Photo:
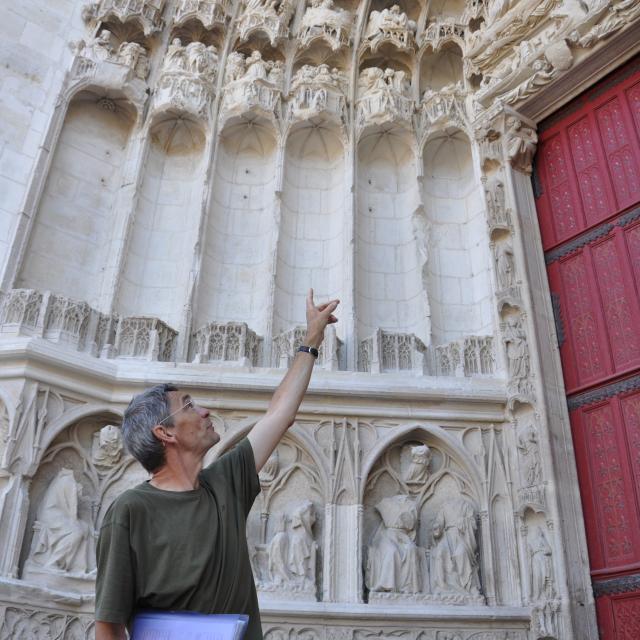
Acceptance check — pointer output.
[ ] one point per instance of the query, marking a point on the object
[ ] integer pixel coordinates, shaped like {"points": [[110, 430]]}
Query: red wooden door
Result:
{"points": [[587, 185]]}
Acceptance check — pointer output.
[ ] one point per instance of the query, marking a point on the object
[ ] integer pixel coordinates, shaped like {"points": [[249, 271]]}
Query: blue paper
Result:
{"points": [[187, 625]]}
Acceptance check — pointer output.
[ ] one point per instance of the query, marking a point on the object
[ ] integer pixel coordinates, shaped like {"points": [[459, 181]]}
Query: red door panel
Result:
{"points": [[587, 186]]}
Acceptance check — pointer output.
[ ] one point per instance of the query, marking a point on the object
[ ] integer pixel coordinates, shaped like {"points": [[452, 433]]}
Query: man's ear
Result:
{"points": [[160, 432]]}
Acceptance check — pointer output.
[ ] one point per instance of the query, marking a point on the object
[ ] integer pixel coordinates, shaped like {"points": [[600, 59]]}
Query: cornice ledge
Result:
{"points": [[405, 614], [52, 363]]}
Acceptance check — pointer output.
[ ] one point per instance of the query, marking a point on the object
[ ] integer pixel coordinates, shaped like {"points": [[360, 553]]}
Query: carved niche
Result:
{"points": [[285, 526], [270, 16], [147, 12], [421, 525], [80, 474], [383, 96], [115, 62], [541, 591], [251, 83], [323, 20], [208, 12], [390, 25], [187, 77], [318, 89]]}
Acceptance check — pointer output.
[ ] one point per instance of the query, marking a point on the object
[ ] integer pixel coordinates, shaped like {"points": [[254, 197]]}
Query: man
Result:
{"points": [[177, 541]]}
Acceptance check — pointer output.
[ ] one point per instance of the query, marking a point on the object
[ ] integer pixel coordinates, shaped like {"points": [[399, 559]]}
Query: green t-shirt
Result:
{"points": [[182, 550]]}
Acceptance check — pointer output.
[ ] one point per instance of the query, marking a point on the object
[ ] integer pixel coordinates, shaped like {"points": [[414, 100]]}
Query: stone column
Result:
{"points": [[534, 361]]}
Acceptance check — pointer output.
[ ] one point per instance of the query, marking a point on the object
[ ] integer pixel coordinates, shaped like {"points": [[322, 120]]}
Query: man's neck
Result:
{"points": [[179, 473]]}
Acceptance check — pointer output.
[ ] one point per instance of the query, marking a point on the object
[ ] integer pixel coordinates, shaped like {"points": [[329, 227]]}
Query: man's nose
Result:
{"points": [[203, 412]]}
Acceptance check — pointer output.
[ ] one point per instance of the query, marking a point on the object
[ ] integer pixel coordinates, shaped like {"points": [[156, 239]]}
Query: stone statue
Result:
{"points": [[522, 141], [302, 547], [276, 74], [505, 267], [176, 57], [418, 470], [256, 67], [454, 563], [390, 24], [541, 566], [134, 56], [102, 45], [61, 539], [106, 448], [278, 553], [201, 60], [530, 451], [515, 340], [395, 563], [235, 67]]}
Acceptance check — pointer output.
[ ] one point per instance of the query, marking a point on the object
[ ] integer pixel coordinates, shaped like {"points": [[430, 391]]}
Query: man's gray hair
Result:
{"points": [[144, 412]]}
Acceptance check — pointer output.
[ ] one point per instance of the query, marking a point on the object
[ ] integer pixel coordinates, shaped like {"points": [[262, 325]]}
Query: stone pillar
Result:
{"points": [[507, 146]]}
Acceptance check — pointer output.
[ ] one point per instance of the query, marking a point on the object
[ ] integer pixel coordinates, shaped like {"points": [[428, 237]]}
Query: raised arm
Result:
{"points": [[268, 431]]}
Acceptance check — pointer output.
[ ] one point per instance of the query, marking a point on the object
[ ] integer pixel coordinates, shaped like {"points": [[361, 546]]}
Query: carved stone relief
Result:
{"points": [[251, 82], [390, 25], [318, 89], [79, 475], [208, 12], [270, 16], [229, 342], [187, 77], [285, 527], [18, 623], [323, 20], [518, 359], [132, 56], [147, 12], [422, 544], [383, 96]]}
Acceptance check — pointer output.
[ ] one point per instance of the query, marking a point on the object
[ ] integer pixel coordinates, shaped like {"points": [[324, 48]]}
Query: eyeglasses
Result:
{"points": [[188, 404]]}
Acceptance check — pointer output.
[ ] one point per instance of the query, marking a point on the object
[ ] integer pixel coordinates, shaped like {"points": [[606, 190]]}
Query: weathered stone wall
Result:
{"points": [[175, 175]]}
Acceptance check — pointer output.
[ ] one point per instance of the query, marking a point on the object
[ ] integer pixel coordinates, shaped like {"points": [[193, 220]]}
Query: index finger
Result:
{"points": [[310, 304]]}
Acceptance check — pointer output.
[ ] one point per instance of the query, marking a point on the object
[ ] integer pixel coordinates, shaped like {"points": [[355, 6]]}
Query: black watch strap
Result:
{"points": [[312, 350]]}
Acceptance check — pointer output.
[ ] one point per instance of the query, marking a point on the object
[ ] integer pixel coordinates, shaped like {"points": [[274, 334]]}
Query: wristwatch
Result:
{"points": [[312, 350]]}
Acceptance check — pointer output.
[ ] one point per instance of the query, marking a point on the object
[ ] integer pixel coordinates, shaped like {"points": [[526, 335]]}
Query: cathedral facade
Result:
{"points": [[176, 174]]}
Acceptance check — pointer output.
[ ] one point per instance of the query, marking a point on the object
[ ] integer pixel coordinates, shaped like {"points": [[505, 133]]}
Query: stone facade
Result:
{"points": [[175, 175]]}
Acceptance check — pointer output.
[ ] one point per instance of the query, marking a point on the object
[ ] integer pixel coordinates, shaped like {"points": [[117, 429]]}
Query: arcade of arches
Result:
{"points": [[464, 175]]}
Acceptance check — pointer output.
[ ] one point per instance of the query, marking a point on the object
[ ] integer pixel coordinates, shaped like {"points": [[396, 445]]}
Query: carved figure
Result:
{"points": [[102, 45], [454, 563], [390, 24], [321, 19], [395, 563], [302, 547], [541, 566], [256, 67], [176, 57], [201, 59], [134, 56], [235, 66], [276, 74], [530, 451], [521, 145], [106, 448], [278, 553], [61, 539], [505, 267], [515, 340], [418, 470]]}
